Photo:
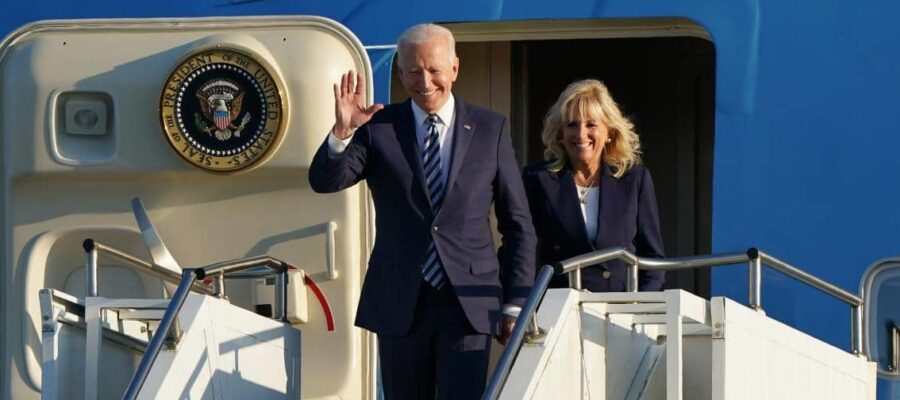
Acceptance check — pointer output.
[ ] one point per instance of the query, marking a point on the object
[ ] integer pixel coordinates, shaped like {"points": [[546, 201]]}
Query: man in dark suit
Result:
{"points": [[434, 289]]}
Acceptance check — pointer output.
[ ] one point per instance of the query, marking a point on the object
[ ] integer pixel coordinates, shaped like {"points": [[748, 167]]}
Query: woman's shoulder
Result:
{"points": [[536, 172], [638, 175], [636, 171]]}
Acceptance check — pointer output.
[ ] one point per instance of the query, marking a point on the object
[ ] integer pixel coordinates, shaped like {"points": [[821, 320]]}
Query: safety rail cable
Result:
{"points": [[572, 266], [188, 277]]}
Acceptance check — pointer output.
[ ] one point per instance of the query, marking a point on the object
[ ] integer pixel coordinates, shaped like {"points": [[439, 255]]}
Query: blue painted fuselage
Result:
{"points": [[805, 149]]}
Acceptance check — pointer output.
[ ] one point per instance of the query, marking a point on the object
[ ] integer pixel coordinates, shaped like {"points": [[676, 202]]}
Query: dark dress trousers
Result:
{"points": [[627, 218]]}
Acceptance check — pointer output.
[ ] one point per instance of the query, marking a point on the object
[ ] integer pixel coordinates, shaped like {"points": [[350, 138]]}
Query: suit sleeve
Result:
{"points": [[648, 242], [514, 223], [535, 197], [332, 172]]}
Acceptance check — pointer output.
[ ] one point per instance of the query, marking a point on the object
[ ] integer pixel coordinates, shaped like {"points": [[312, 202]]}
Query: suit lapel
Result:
{"points": [[463, 129], [610, 209], [560, 189], [405, 126]]}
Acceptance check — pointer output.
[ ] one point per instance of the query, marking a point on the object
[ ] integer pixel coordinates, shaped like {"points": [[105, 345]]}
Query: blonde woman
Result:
{"points": [[592, 192]]}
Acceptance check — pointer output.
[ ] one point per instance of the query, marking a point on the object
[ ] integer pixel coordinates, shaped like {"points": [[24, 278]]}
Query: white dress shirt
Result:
{"points": [[589, 210]]}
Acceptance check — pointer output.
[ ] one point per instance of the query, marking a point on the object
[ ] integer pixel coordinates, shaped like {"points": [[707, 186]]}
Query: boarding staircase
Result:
{"points": [[576, 344], [194, 344], [673, 345]]}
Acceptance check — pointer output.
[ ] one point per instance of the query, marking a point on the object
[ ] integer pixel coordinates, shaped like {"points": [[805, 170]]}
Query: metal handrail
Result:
{"points": [[188, 278], [156, 341], [94, 249], [572, 266], [755, 259], [504, 365], [74, 316]]}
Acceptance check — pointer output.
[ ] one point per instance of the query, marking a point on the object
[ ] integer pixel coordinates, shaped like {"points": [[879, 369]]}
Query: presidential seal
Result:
{"points": [[223, 110]]}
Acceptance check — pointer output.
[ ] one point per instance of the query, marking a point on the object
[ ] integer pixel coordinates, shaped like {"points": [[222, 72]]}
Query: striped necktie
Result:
{"points": [[432, 270]]}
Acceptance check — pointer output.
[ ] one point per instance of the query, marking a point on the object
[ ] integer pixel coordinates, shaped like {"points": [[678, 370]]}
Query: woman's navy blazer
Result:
{"points": [[628, 218]]}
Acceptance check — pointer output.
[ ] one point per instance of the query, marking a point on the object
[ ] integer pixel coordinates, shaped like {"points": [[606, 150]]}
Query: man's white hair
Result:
{"points": [[422, 33]]}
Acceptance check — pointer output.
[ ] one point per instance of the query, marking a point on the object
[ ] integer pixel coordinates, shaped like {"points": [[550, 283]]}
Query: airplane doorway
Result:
{"points": [[665, 84]]}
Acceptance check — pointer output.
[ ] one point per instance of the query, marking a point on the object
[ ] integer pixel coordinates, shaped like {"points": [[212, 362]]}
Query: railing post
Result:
{"points": [[754, 278], [575, 279], [856, 328], [90, 267], [219, 286], [534, 330], [631, 284], [162, 332]]}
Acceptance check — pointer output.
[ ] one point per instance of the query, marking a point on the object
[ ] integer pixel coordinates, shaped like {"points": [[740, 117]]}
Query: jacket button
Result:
{"points": [[434, 228], [606, 274], [555, 247]]}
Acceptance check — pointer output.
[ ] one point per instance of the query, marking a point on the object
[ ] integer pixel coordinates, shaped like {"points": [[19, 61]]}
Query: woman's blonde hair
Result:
{"points": [[590, 100]]}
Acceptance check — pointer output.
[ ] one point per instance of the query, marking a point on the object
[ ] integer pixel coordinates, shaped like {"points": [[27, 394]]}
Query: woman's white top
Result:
{"points": [[589, 209]]}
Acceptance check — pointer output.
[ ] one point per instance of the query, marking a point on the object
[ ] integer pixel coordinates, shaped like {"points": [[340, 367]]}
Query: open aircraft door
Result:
{"points": [[213, 123]]}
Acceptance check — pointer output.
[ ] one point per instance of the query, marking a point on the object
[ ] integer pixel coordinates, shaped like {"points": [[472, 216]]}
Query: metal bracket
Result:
{"points": [[717, 318], [534, 339], [49, 312]]}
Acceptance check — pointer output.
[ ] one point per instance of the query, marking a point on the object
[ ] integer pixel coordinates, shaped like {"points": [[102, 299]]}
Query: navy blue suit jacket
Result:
{"points": [[628, 218], [483, 171]]}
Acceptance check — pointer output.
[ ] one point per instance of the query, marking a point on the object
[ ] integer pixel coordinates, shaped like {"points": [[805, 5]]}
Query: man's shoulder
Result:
{"points": [[476, 111], [390, 113]]}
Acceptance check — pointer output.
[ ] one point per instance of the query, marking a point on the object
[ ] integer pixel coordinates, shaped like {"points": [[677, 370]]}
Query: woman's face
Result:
{"points": [[584, 141]]}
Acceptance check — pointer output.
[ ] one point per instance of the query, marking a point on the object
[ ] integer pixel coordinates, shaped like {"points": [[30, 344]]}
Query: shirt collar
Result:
{"points": [[445, 113]]}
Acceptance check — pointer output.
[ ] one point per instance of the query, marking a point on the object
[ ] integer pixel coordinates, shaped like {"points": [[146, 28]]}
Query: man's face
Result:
{"points": [[428, 72]]}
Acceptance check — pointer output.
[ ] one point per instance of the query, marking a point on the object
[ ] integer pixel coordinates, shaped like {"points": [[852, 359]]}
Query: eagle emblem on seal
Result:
{"points": [[223, 110], [220, 103]]}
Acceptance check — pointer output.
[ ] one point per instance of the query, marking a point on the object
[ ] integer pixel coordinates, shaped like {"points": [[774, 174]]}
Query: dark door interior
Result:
{"points": [[666, 86]]}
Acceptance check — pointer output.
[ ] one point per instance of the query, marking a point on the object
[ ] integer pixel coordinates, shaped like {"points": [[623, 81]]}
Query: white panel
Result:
{"points": [[740, 354], [625, 349], [697, 367], [227, 353], [531, 374], [760, 358]]}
